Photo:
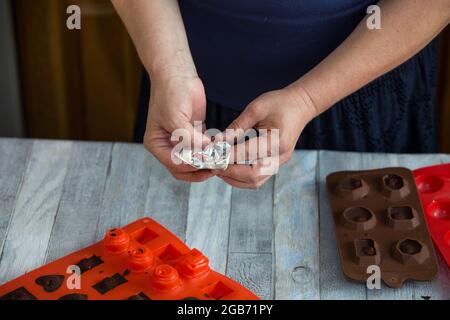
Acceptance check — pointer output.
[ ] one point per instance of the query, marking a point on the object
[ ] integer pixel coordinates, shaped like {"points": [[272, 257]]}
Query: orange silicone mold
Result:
{"points": [[433, 184], [142, 261]]}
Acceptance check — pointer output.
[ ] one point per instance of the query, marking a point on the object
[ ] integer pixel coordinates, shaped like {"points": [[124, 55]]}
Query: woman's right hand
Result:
{"points": [[176, 101]]}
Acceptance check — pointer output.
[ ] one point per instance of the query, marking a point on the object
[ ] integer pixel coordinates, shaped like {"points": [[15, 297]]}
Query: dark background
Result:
{"points": [[84, 84]]}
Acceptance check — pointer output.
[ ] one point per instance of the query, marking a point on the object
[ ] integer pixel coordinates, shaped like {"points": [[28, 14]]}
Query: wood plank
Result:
{"points": [[36, 207], [75, 225], [126, 187], [13, 162], [440, 287], [253, 271], [296, 222], [251, 225], [209, 220], [167, 199], [333, 284]]}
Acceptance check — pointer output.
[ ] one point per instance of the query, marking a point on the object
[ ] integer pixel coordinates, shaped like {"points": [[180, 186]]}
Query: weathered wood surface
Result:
{"points": [[59, 196]]}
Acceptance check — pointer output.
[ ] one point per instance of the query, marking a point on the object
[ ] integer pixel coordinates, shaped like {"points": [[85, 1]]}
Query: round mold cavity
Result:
{"points": [[358, 214], [358, 218], [429, 184], [410, 247], [439, 210], [447, 238]]}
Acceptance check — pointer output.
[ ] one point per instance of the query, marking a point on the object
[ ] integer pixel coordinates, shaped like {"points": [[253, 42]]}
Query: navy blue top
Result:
{"points": [[243, 48]]}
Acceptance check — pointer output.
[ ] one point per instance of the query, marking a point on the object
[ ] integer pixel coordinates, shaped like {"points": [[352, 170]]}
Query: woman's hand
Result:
{"points": [[177, 94], [175, 103], [288, 110]]}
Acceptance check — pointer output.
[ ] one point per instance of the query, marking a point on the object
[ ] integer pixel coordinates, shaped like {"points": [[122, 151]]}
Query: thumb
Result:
{"points": [[192, 135], [247, 120]]}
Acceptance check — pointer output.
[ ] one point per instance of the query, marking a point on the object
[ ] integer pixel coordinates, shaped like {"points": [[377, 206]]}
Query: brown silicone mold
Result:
{"points": [[379, 221]]}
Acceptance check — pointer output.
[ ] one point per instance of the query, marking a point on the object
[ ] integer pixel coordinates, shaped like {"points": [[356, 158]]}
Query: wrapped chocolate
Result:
{"points": [[216, 156]]}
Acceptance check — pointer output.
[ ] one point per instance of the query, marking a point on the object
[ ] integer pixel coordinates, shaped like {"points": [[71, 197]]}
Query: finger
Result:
{"points": [[162, 150], [244, 173], [242, 185], [195, 177], [192, 137], [263, 146], [248, 119]]}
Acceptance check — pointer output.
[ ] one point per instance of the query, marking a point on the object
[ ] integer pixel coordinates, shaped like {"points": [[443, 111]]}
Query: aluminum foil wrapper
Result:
{"points": [[216, 156]]}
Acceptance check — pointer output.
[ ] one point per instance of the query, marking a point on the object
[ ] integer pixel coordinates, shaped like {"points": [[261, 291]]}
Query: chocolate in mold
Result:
{"points": [[139, 296], [384, 225], [89, 263], [50, 283], [74, 296], [18, 294], [109, 283]]}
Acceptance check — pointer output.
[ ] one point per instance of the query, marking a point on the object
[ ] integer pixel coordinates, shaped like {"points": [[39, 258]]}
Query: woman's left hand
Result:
{"points": [[288, 110]]}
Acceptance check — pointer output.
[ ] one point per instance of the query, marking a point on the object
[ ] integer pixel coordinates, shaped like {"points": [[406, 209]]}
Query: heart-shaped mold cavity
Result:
{"points": [[50, 283], [429, 184], [439, 210]]}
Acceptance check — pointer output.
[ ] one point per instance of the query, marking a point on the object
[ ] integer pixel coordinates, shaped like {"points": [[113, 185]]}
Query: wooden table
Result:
{"points": [[59, 196]]}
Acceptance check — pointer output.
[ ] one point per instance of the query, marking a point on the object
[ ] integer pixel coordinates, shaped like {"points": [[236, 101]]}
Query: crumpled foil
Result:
{"points": [[216, 156]]}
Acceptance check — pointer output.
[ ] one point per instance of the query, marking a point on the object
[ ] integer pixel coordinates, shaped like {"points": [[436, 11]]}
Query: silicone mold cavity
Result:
{"points": [[358, 218], [402, 217], [433, 184], [439, 210], [395, 187], [366, 252], [410, 251], [429, 183], [352, 188]]}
